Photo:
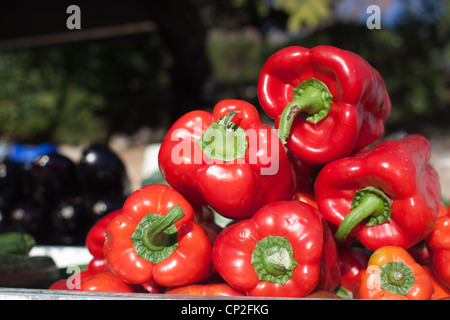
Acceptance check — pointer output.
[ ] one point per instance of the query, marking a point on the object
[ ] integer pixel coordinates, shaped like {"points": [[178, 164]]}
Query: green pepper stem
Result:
{"points": [[311, 97], [277, 263], [396, 277], [224, 140], [369, 204], [154, 236], [273, 259]]}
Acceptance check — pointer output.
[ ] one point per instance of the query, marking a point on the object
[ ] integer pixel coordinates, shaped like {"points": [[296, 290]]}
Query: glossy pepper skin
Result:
{"points": [[322, 295], [72, 282], [226, 159], [387, 195], [441, 291], [285, 249], [304, 180], [95, 240], [392, 274], [327, 102], [351, 261], [98, 264], [438, 245], [107, 282], [155, 238], [213, 289], [95, 237]]}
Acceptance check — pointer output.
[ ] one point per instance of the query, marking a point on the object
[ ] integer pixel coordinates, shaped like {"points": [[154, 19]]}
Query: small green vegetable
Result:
{"points": [[16, 242], [23, 271]]}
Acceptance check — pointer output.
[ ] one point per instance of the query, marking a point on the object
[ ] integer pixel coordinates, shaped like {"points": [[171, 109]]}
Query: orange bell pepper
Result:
{"points": [[393, 274]]}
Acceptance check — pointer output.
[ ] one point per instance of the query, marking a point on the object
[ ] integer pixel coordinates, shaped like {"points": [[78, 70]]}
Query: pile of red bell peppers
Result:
{"points": [[320, 204]]}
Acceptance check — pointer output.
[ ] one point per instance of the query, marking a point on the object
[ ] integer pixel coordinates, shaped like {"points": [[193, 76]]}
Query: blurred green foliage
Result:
{"points": [[82, 92], [299, 13], [77, 93], [415, 69], [236, 58], [413, 56]]}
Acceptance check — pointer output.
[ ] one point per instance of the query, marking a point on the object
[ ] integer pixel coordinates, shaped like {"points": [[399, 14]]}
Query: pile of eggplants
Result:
{"points": [[57, 199]]}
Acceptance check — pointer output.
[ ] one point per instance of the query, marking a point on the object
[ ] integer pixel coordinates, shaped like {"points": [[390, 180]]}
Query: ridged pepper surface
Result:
{"points": [[327, 102], [285, 249], [387, 195], [156, 239], [226, 159]]}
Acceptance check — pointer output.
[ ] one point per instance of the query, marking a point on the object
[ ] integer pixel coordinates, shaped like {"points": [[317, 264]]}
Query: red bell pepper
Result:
{"points": [[304, 174], [213, 289], [95, 240], [108, 282], [392, 274], [441, 291], [228, 160], [327, 102], [304, 182], [322, 295], [60, 284], [356, 283], [420, 253], [285, 249], [205, 217], [438, 245], [95, 237], [442, 209], [155, 238], [307, 197], [351, 261], [153, 287], [98, 264], [387, 195], [72, 282]]}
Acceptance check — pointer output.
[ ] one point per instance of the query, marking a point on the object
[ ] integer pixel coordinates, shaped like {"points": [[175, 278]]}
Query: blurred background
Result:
{"points": [[136, 66], [188, 54]]}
